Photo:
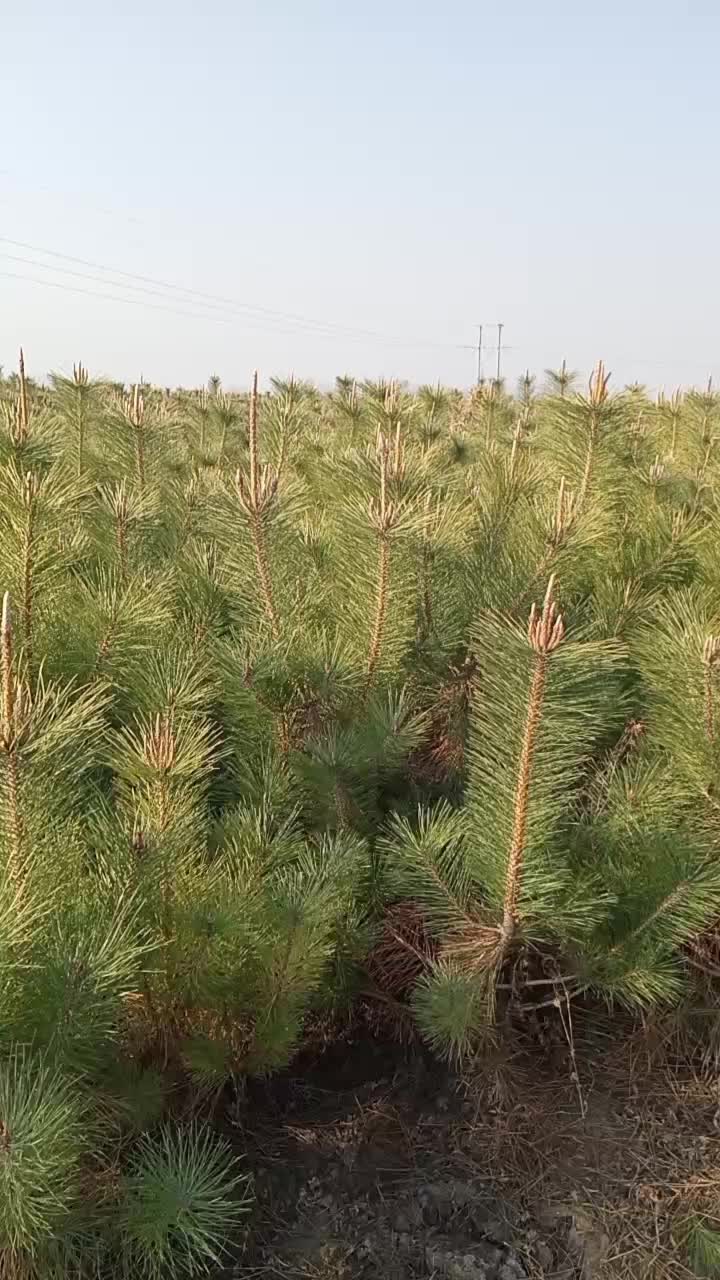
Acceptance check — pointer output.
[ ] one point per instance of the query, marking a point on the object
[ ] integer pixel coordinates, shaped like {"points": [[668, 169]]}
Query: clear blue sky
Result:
{"points": [[407, 167]]}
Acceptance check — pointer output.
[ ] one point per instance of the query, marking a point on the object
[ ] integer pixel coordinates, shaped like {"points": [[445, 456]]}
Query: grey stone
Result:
{"points": [[466, 1267], [455, 1265], [436, 1201], [488, 1221], [461, 1193], [544, 1255], [512, 1270], [491, 1254]]}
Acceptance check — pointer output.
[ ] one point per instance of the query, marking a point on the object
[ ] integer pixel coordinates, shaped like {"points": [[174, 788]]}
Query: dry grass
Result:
{"points": [[614, 1159]]}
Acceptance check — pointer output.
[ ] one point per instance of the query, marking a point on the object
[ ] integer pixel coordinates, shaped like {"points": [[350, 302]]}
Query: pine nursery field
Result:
{"points": [[378, 706]]}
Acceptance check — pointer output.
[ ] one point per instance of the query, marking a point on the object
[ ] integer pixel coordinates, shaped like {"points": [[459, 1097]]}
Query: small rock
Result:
{"points": [[493, 1228], [456, 1266], [512, 1270], [487, 1220], [490, 1253], [544, 1255], [435, 1200], [462, 1194]]}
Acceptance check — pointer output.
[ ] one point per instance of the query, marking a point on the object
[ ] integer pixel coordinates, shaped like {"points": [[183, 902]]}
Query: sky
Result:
{"points": [[325, 186]]}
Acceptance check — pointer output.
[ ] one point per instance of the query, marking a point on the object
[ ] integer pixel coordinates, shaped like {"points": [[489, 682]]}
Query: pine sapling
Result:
{"points": [[23, 398], [257, 495], [434, 401], [561, 380], [17, 416], [162, 766], [598, 396], [160, 751], [670, 412], [81, 381], [637, 433], [74, 397], [43, 1139], [526, 389], [560, 524], [546, 630], [287, 416], [383, 514], [134, 407], [224, 410], [490, 395], [676, 401], [353, 409], [203, 408], [127, 510], [183, 1198]]}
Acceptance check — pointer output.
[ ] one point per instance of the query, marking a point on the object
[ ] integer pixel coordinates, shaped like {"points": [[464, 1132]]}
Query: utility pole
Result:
{"points": [[479, 356], [499, 349]]}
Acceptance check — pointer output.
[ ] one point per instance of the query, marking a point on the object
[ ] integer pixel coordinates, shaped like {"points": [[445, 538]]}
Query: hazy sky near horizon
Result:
{"points": [[355, 186]]}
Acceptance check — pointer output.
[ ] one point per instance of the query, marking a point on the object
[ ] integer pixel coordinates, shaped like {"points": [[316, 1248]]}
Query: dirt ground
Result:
{"points": [[576, 1158]]}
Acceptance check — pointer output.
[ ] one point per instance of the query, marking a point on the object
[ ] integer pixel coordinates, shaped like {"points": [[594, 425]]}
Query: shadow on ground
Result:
{"points": [[372, 1160]]}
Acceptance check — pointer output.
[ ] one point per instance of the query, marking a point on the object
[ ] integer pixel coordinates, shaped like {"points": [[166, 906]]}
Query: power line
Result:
{"points": [[226, 311], [220, 318], [141, 302], [110, 297], [225, 314], [208, 299], [224, 319]]}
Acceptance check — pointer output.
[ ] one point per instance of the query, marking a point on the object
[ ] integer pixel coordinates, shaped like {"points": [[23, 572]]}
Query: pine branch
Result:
{"points": [[30, 490], [257, 495], [134, 410], [24, 410], [711, 660], [81, 380], [383, 515], [545, 633], [10, 727], [597, 398]]}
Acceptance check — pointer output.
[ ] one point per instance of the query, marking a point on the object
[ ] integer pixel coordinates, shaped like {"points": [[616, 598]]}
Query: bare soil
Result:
{"points": [[578, 1159]]}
